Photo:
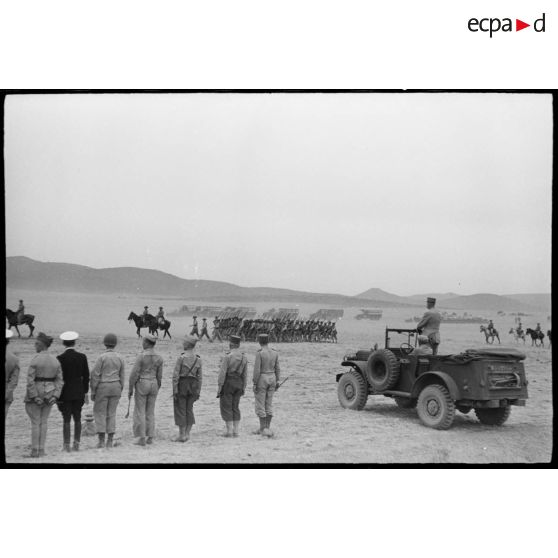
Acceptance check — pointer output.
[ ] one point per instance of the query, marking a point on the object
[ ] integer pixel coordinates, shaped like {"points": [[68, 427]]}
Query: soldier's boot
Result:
{"points": [[267, 431], [236, 425], [66, 446], [101, 442], [186, 432], [41, 452], [229, 432], [262, 426], [110, 440], [34, 453], [76, 446], [140, 441], [149, 440], [180, 436]]}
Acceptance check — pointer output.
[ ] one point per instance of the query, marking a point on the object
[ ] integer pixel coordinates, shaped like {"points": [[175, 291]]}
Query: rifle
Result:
{"points": [[282, 382]]}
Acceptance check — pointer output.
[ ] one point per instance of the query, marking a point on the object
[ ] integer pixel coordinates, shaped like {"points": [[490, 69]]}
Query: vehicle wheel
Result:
{"points": [[405, 402], [463, 409], [352, 391], [382, 370], [493, 417], [435, 407]]}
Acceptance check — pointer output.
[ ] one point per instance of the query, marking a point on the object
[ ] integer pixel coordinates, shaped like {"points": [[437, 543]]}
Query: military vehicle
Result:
{"points": [[489, 381]]}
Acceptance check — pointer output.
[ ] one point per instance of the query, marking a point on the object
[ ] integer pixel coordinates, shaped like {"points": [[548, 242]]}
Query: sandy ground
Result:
{"points": [[309, 424]]}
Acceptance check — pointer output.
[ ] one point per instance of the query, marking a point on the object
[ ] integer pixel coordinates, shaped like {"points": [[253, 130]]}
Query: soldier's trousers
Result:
{"points": [[204, 332], [188, 393], [107, 397], [145, 396], [230, 398], [265, 389], [39, 423], [69, 410]]}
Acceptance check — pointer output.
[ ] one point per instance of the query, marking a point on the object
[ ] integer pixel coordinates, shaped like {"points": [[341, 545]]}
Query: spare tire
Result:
{"points": [[382, 370]]}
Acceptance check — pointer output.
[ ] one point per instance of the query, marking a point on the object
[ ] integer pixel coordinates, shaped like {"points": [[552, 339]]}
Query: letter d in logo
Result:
{"points": [[539, 24]]}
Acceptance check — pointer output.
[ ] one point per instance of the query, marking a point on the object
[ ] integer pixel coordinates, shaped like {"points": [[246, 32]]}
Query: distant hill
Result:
{"points": [[379, 294], [438, 296], [486, 301], [28, 274], [536, 300]]}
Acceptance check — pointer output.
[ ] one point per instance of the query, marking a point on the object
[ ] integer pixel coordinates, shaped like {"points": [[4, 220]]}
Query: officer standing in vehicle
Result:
{"points": [[12, 374], [430, 324], [107, 383], [75, 371], [266, 380], [145, 381], [232, 385]]}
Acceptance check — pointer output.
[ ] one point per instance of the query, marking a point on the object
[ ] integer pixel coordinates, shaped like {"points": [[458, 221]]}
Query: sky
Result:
{"points": [[411, 193]]}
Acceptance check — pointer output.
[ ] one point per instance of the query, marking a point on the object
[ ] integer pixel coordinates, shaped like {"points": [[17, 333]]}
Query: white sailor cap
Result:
{"points": [[9, 333], [69, 336]]}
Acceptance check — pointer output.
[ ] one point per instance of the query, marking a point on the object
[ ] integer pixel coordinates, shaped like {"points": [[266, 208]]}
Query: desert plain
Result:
{"points": [[309, 424]]}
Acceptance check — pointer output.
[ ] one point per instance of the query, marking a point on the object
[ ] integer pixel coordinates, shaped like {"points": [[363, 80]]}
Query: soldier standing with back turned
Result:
{"points": [[430, 324], [266, 380], [232, 385]]}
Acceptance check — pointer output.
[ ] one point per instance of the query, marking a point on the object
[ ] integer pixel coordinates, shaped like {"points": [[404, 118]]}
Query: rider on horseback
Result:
{"points": [[20, 313], [145, 314], [490, 327], [161, 316]]}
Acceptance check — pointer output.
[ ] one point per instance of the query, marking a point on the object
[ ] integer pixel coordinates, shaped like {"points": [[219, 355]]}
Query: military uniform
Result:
{"points": [[186, 387], [20, 312], [204, 330], [12, 377], [265, 379], [161, 317], [44, 385], [107, 383], [195, 328], [145, 381], [75, 372], [231, 386], [430, 326]]}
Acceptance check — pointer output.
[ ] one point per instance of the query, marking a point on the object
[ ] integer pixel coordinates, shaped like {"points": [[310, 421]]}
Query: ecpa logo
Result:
{"points": [[493, 25]]}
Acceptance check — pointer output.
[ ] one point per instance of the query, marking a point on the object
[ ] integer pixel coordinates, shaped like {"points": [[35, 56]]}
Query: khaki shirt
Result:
{"points": [[233, 363], [267, 362], [148, 366], [430, 324], [108, 368], [422, 350], [187, 365], [12, 375], [44, 365]]}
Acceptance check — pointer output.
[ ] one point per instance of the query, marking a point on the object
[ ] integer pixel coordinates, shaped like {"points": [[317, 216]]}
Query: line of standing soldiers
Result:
{"points": [[65, 381], [278, 330]]}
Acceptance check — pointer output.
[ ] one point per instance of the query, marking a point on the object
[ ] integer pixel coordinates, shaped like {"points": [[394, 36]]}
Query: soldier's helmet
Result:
{"points": [[110, 340]]}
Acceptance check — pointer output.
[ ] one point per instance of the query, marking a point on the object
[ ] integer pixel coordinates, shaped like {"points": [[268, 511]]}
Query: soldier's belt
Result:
{"points": [[268, 372], [152, 379], [43, 379]]}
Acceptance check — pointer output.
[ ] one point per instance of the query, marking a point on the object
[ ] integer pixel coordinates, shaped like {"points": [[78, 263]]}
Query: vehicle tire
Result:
{"points": [[435, 407], [405, 402], [382, 370], [493, 417], [463, 409], [352, 391]]}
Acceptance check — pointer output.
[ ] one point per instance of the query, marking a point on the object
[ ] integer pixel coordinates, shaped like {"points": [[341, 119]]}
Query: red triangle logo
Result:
{"points": [[519, 25]]}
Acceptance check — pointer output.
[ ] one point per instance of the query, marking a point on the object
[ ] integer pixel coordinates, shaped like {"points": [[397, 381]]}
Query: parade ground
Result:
{"points": [[309, 424]]}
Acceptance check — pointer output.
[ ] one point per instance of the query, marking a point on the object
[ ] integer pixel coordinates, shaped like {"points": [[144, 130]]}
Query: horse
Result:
{"points": [[151, 324], [27, 320], [517, 335], [490, 336], [536, 336]]}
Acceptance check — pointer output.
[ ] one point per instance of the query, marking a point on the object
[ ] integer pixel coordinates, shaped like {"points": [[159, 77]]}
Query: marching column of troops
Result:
{"points": [[278, 330], [65, 381]]}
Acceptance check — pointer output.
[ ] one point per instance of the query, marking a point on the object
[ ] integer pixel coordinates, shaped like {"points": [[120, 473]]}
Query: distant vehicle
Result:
{"points": [[366, 314], [489, 381]]}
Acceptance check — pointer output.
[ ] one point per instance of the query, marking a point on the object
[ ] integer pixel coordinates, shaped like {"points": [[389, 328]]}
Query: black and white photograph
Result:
{"points": [[278, 277]]}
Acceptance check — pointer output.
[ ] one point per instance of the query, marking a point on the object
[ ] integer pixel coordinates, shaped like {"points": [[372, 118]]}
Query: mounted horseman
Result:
{"points": [[19, 317]]}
